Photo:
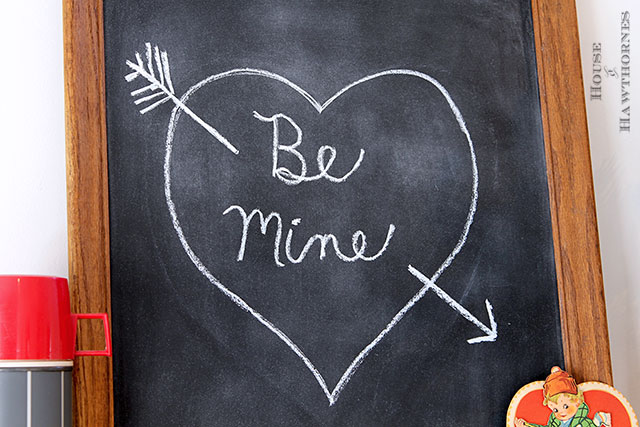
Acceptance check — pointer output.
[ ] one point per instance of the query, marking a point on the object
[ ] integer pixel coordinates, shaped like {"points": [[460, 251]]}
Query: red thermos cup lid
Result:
{"points": [[36, 322]]}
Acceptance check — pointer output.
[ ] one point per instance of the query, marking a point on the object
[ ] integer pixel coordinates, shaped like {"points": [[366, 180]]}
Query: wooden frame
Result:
{"points": [[577, 251]]}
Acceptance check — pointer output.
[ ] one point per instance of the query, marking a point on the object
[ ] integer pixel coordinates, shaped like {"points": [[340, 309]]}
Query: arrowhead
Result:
{"points": [[492, 334]]}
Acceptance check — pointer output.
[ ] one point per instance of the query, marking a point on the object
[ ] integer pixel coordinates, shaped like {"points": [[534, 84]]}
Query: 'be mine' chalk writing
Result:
{"points": [[358, 240]]}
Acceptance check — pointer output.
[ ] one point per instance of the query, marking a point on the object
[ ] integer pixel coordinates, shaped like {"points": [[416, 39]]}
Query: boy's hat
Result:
{"points": [[559, 382]]}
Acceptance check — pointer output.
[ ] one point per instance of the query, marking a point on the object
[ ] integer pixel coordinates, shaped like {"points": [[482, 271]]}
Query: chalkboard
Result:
{"points": [[326, 213]]}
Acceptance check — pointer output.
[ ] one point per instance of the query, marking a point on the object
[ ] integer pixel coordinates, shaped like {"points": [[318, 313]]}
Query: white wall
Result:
{"points": [[615, 157], [33, 216], [33, 235]]}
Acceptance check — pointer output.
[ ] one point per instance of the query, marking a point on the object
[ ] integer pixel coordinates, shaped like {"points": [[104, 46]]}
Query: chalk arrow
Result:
{"points": [[491, 333], [156, 72]]}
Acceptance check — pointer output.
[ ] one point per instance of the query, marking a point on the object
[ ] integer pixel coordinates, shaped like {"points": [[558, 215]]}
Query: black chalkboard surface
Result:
{"points": [[329, 213]]}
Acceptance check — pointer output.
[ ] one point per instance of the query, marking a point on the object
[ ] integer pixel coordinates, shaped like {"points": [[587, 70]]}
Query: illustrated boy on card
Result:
{"points": [[566, 401]]}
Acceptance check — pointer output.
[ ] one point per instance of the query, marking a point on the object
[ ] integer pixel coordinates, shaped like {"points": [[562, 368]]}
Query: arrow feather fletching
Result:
{"points": [[158, 61], [156, 71]]}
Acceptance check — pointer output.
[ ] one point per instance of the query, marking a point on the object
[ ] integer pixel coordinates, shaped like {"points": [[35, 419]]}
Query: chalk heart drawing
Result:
{"points": [[154, 70]]}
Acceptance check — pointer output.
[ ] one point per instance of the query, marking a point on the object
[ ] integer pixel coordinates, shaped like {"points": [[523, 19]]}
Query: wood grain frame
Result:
{"points": [[577, 250]]}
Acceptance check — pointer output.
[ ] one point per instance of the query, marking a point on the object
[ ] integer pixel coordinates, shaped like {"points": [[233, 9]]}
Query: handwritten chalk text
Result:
{"points": [[358, 240], [290, 178]]}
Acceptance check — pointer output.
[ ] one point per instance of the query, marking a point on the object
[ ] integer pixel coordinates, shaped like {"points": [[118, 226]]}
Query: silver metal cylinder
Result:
{"points": [[35, 393]]}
